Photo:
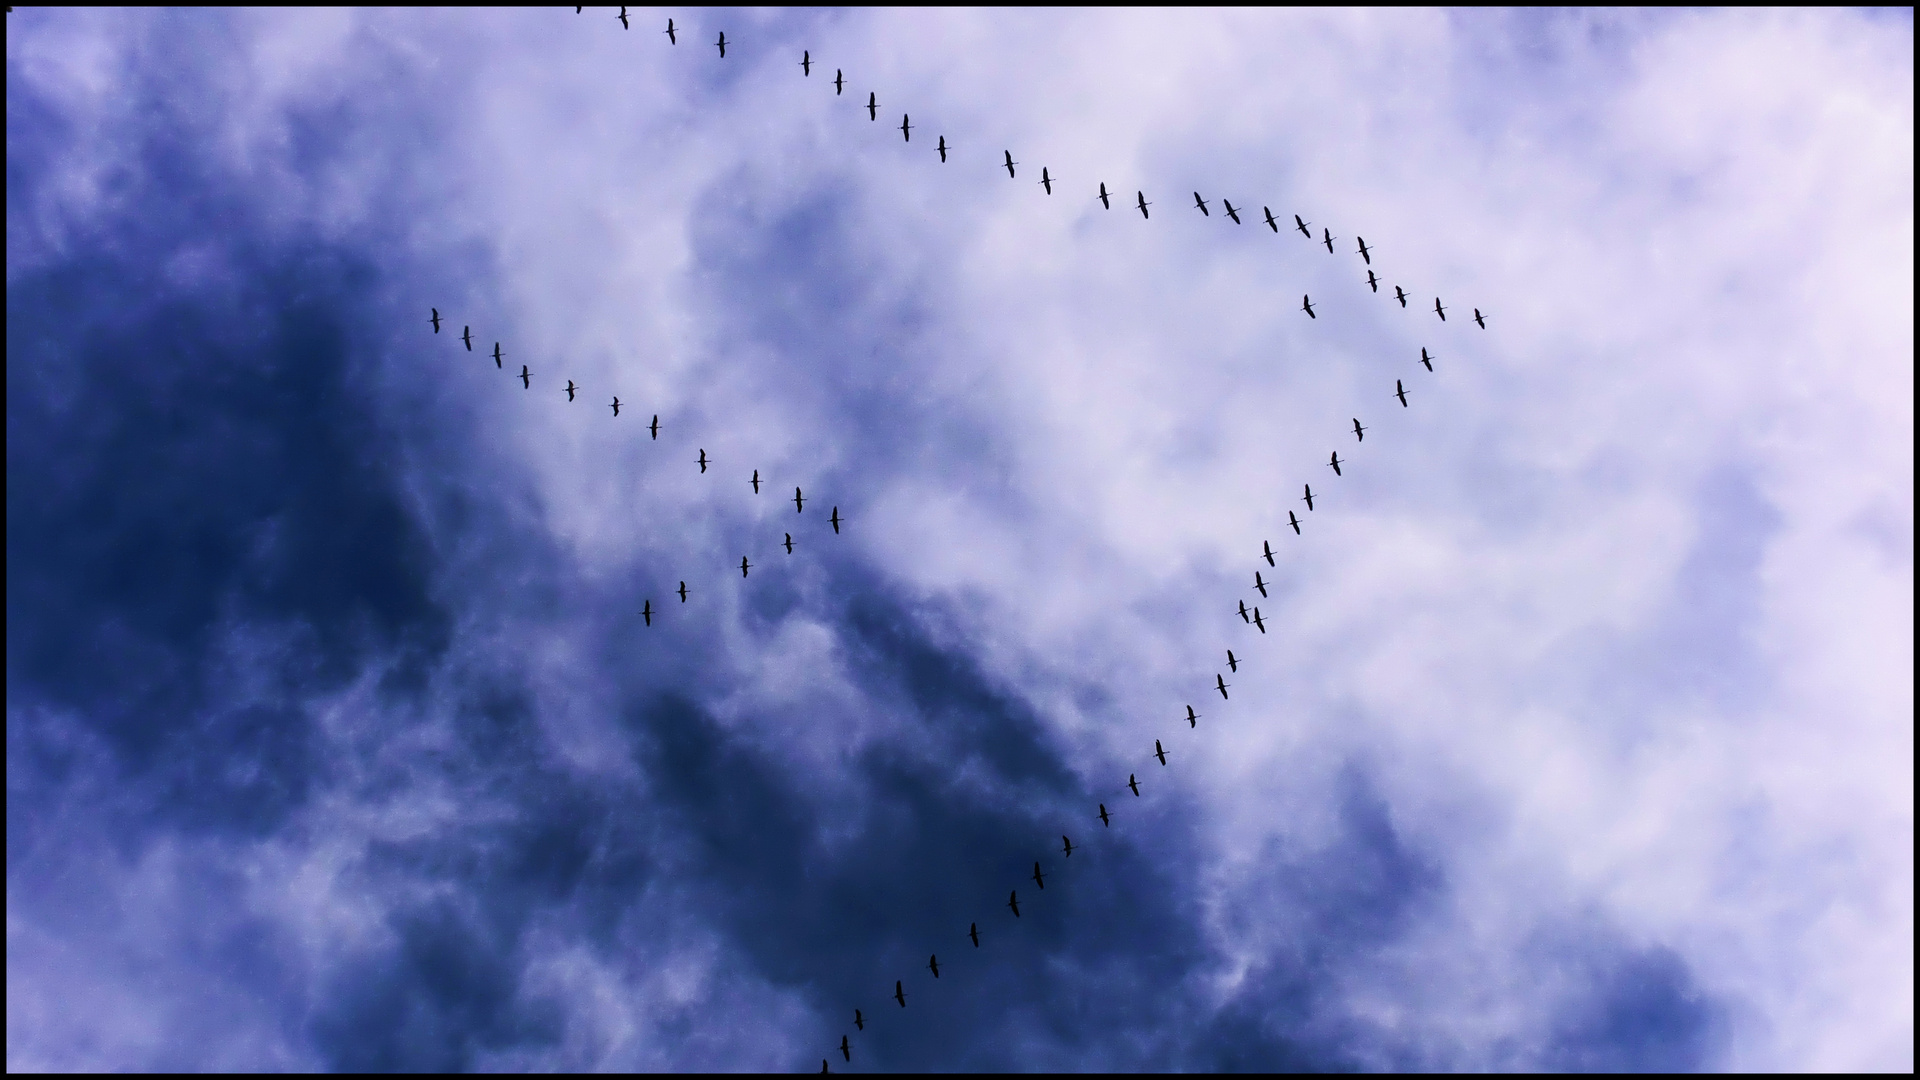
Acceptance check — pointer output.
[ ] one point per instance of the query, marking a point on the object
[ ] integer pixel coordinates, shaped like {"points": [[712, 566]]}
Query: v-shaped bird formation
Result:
{"points": [[943, 152]]}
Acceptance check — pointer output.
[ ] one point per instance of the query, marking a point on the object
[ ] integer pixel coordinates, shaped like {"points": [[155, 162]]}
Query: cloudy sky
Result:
{"points": [[1579, 735]]}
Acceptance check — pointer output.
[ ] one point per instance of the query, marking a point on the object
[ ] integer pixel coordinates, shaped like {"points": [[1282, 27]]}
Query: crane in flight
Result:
{"points": [[1266, 551], [845, 1050], [703, 459], [672, 38], [1365, 252], [1104, 200], [1425, 359], [798, 502], [1046, 181], [526, 378], [1013, 901], [570, 389], [834, 520], [723, 44], [1201, 203], [973, 931], [496, 355], [1233, 662], [933, 964], [1260, 583], [906, 129], [873, 105], [683, 592], [1329, 239], [789, 543], [1220, 683], [1066, 845], [466, 335], [616, 406], [624, 25], [1400, 392], [435, 320], [1302, 226], [943, 149], [806, 63], [1257, 621], [1134, 783], [1231, 212], [1293, 521], [1479, 318], [1104, 820], [1438, 310], [1193, 718], [744, 566], [1308, 497], [1373, 282], [1243, 612], [1039, 878], [1159, 752], [839, 82], [646, 612], [654, 427], [755, 481], [1143, 204], [1306, 305], [1400, 294], [1271, 224], [1335, 462], [899, 993], [1010, 163], [1359, 433]]}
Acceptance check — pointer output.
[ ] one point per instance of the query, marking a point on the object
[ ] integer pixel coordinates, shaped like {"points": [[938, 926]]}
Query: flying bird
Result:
{"points": [[943, 149], [616, 406], [1220, 683], [435, 320], [1293, 521], [1013, 901], [526, 378], [845, 1050], [1271, 224], [1233, 663], [835, 521], [646, 612], [1142, 196], [798, 502], [1231, 212], [683, 592], [624, 25], [1400, 294], [973, 931], [1257, 621], [859, 1021], [1260, 584], [654, 427], [1306, 305], [1425, 359], [1359, 433], [1373, 282], [466, 335], [1335, 462], [899, 993], [1104, 201], [806, 63], [755, 481], [1479, 318], [1159, 752], [1010, 164], [1103, 816], [1328, 233], [1201, 203], [1193, 718], [703, 459], [1438, 310], [1266, 551], [672, 39], [496, 354], [1066, 845], [1039, 878], [1365, 252], [1243, 612], [789, 543], [723, 44], [1302, 226], [839, 82], [1046, 181], [906, 129], [1308, 497], [1134, 784], [570, 389], [933, 964], [744, 566], [1400, 392], [873, 105]]}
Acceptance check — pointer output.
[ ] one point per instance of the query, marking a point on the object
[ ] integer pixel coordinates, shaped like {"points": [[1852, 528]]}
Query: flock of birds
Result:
{"points": [[1250, 615]]}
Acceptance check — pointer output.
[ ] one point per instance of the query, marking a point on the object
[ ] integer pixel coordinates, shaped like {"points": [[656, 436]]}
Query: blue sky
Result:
{"points": [[1580, 738]]}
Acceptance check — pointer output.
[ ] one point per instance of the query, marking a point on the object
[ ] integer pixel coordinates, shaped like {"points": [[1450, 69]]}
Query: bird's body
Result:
{"points": [[616, 406], [1193, 718], [646, 612], [435, 320], [570, 389], [806, 63], [1271, 224], [1009, 164], [624, 25], [1046, 179], [1202, 204], [1293, 521], [1439, 310], [973, 931], [722, 43], [900, 993], [1243, 612], [1329, 238], [1013, 901], [1066, 846], [1335, 462], [943, 149], [906, 129], [702, 459], [1373, 282], [845, 1050], [1142, 196], [1133, 783], [1308, 497], [1233, 662], [1302, 226], [1039, 878], [1425, 359], [1400, 294], [1231, 212], [1359, 433], [755, 481], [1259, 583], [526, 378], [672, 37], [466, 335], [683, 592], [873, 105], [933, 964], [839, 82], [1266, 551], [1160, 752], [1306, 305], [1479, 318], [1400, 392], [1220, 683], [1103, 816], [744, 566], [834, 520], [789, 543], [1365, 252], [496, 355], [1257, 622], [1104, 200], [798, 502], [654, 428]]}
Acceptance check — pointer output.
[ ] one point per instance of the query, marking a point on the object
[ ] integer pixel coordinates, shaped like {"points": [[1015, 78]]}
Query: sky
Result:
{"points": [[1579, 735]]}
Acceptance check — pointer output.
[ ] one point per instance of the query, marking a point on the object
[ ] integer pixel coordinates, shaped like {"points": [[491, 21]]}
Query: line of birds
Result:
{"points": [[1250, 615], [647, 610]]}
